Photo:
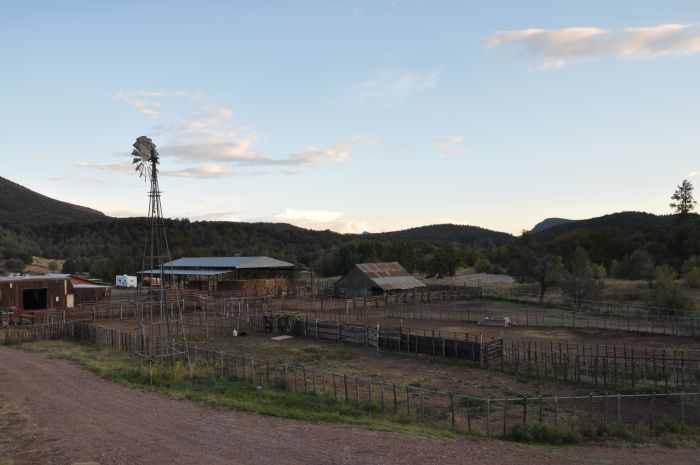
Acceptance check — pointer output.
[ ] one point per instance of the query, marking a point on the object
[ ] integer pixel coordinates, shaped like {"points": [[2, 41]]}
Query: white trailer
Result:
{"points": [[126, 281]]}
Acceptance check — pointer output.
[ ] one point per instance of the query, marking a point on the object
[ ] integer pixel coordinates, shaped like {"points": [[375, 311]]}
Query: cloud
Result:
{"points": [[389, 88], [75, 179], [143, 101], [201, 172], [693, 173], [206, 139], [448, 146], [215, 216], [123, 167], [554, 48], [322, 220], [124, 213]]}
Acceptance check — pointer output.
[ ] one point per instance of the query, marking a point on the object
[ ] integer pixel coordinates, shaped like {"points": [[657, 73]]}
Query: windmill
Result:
{"points": [[156, 254], [146, 160]]}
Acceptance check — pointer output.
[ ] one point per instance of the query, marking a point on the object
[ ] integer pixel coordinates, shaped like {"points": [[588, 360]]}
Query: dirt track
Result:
{"points": [[58, 413]]}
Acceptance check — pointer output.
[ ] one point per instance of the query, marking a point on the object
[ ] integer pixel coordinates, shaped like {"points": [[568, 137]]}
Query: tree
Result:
{"points": [[532, 262], [53, 266], [669, 294], [579, 279], [683, 202], [693, 278], [14, 264], [70, 267]]}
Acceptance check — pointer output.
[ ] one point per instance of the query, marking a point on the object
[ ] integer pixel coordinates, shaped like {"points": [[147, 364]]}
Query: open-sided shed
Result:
{"points": [[250, 275]]}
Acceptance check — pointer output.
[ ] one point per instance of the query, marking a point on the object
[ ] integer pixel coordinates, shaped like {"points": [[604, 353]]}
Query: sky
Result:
{"points": [[355, 115]]}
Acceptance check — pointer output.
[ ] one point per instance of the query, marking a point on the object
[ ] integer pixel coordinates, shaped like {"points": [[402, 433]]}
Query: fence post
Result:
{"points": [[488, 417], [505, 415], [619, 408], [682, 408], [452, 409], [345, 384], [524, 409]]}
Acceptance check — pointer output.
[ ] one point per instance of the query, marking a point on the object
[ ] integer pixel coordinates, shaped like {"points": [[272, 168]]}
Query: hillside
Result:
{"points": [[18, 203], [549, 223], [626, 223], [449, 233]]}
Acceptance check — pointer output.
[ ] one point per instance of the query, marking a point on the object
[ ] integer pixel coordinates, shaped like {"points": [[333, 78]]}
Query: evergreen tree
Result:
{"points": [[683, 202]]}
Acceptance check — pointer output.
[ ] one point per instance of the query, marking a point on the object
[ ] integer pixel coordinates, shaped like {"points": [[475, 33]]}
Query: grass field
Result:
{"points": [[207, 387]]}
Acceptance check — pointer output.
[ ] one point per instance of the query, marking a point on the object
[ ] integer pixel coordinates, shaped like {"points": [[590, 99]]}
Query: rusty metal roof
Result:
{"points": [[389, 276]]}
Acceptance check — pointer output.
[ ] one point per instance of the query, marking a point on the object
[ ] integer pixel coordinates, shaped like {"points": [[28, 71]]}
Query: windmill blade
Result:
{"points": [[145, 148], [145, 157]]}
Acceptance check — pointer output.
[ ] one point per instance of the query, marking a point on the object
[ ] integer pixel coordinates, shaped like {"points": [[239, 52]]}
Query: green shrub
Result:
{"points": [[542, 434], [693, 278], [15, 265]]}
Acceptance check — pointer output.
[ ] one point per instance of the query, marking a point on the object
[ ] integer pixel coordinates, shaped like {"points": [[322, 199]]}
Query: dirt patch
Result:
{"points": [[391, 367]]}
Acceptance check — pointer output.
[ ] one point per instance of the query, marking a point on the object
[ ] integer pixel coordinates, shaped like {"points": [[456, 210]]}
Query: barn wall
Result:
{"points": [[355, 284], [92, 294], [57, 290]]}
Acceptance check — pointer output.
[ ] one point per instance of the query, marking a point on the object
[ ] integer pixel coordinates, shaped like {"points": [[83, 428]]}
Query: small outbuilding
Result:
{"points": [[367, 279], [48, 292]]}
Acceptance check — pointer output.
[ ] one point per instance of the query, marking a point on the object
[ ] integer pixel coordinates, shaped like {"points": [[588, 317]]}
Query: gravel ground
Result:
{"points": [[57, 413]]}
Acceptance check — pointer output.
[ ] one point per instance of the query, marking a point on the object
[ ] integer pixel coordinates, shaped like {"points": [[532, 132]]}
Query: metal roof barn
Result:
{"points": [[376, 278], [230, 263], [248, 275]]}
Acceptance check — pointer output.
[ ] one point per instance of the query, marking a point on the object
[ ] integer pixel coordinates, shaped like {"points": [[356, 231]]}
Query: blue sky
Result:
{"points": [[355, 116]]}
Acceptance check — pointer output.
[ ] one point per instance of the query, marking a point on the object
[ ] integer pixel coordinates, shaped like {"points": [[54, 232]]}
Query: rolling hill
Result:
{"points": [[549, 223], [449, 233], [17, 203], [625, 222]]}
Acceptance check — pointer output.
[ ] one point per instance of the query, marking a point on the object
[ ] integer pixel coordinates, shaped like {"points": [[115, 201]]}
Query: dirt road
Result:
{"points": [[58, 413]]}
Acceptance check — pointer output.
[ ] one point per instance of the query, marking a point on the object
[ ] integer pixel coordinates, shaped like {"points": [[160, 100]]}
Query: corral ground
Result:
{"points": [[54, 412], [427, 371], [390, 367], [432, 321]]}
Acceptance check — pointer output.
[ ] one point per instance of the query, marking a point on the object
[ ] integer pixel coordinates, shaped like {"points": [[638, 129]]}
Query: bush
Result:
{"points": [[693, 278], [669, 294], [542, 434], [483, 266], [15, 265]]}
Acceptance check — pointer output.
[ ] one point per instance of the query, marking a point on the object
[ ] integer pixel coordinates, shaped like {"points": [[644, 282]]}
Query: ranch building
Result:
{"points": [[245, 275], [48, 292], [368, 279]]}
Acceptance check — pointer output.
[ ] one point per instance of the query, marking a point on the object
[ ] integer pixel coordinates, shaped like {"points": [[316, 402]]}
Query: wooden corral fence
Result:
{"points": [[458, 412], [528, 315], [608, 366], [443, 344], [621, 315], [43, 332]]}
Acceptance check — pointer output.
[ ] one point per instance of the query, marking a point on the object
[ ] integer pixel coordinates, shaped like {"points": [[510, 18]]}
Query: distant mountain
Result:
{"points": [[626, 222], [19, 203], [549, 223], [449, 233]]}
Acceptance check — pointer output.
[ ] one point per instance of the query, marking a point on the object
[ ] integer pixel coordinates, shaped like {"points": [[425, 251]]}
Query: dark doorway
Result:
{"points": [[35, 299]]}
